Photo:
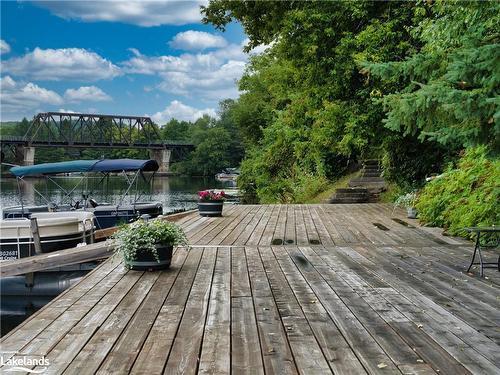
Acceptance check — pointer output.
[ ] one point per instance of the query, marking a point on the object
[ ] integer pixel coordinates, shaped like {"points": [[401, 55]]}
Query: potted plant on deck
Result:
{"points": [[408, 200], [148, 245], [210, 203]]}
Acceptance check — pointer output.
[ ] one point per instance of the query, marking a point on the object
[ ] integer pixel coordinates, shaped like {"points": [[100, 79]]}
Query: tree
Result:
{"points": [[175, 130], [210, 155], [227, 122], [307, 110], [452, 82], [217, 141]]}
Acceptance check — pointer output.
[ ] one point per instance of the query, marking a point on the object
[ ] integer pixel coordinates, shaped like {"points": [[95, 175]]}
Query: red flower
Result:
{"points": [[209, 195]]}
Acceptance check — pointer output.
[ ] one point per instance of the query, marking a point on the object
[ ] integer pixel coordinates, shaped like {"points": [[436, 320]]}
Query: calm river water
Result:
{"points": [[176, 193]]}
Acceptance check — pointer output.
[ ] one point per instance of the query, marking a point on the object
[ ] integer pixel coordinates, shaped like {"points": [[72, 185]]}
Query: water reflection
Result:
{"points": [[175, 192], [16, 309]]}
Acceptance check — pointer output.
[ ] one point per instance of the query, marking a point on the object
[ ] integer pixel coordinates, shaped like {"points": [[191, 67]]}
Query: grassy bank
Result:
{"points": [[326, 194]]}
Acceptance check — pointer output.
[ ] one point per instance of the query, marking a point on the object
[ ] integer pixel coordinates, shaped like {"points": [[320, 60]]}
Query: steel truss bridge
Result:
{"points": [[83, 130]]}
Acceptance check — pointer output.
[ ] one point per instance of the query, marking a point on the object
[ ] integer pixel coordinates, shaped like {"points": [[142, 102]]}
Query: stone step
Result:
{"points": [[365, 188], [375, 189], [348, 200], [353, 195], [360, 181], [364, 175], [373, 186], [351, 190], [371, 162]]}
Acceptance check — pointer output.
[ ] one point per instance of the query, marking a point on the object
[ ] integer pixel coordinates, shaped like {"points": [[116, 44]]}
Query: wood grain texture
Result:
{"points": [[279, 289]]}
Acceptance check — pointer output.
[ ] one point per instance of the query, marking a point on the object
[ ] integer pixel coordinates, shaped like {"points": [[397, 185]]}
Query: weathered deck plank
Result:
{"points": [[61, 258], [333, 294], [185, 353], [125, 351], [246, 354], [159, 340]]}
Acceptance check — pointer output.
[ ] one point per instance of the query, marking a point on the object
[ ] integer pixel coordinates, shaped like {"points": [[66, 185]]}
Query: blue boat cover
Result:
{"points": [[54, 168], [105, 165], [116, 165]]}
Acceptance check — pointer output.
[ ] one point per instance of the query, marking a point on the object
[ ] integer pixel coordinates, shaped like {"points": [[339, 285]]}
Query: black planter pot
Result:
{"points": [[145, 261], [210, 208]]}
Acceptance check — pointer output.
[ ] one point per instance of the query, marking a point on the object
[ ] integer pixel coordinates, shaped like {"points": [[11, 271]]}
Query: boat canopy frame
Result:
{"points": [[104, 167]]}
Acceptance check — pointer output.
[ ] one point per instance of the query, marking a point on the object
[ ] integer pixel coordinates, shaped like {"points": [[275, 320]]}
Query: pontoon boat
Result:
{"points": [[106, 214]]}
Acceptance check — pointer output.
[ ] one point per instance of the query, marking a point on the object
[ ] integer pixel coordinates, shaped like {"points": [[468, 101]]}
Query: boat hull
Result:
{"points": [[112, 216], [17, 248], [106, 216], [57, 231]]}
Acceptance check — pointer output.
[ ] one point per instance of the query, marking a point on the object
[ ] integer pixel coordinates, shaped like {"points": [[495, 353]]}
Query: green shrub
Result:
{"points": [[307, 187], [468, 195], [407, 161], [261, 181]]}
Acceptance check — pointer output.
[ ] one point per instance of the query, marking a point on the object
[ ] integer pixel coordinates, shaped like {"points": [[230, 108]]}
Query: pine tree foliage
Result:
{"points": [[452, 82]]}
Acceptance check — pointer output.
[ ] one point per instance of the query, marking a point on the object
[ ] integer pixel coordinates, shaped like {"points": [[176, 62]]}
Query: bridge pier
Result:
{"points": [[162, 157], [25, 155]]}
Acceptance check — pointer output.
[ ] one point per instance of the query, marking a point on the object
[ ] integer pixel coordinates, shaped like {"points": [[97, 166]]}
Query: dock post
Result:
{"points": [[29, 280], [36, 235]]}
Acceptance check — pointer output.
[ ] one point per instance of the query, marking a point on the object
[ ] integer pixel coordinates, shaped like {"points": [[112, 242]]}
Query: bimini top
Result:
{"points": [[118, 165], [105, 165]]}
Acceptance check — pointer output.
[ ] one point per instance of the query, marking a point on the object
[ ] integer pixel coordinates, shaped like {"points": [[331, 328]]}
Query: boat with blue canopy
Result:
{"points": [[103, 165], [136, 172]]}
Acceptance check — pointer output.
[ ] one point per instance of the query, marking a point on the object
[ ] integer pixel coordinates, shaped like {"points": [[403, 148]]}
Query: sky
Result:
{"points": [[152, 58]]}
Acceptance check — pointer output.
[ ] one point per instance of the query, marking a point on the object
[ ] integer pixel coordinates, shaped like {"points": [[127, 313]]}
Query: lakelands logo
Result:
{"points": [[18, 362]]}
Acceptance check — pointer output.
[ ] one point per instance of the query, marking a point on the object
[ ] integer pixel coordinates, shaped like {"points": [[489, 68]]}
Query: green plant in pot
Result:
{"points": [[148, 245], [408, 201]]}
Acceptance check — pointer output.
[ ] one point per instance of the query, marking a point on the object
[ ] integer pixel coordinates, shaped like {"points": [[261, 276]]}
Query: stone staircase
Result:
{"points": [[365, 188]]}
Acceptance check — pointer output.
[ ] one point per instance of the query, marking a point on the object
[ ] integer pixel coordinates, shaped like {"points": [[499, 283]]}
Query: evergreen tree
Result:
{"points": [[452, 81]]}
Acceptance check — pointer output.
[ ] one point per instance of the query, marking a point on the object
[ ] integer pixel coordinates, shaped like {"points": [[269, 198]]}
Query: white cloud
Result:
{"points": [[141, 13], [4, 47], [7, 83], [217, 84], [20, 97], [181, 111], [61, 64], [197, 40], [86, 93], [208, 76]]}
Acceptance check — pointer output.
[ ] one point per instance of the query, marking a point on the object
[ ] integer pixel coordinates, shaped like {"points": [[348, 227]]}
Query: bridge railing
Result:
{"points": [[18, 139], [12, 138]]}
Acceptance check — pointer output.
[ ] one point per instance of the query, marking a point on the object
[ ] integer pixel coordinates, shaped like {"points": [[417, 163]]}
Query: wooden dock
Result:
{"points": [[280, 289]]}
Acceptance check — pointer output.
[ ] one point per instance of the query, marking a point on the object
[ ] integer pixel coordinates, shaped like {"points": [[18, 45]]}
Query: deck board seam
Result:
{"points": [[430, 317], [138, 309]]}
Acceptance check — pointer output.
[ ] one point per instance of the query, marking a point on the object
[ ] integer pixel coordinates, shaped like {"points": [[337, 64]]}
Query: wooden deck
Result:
{"points": [[313, 289]]}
